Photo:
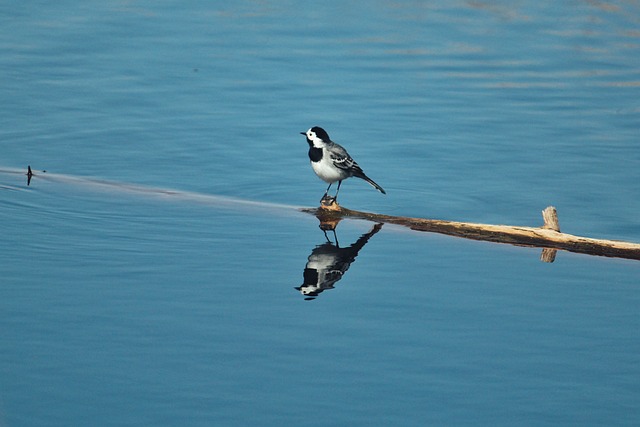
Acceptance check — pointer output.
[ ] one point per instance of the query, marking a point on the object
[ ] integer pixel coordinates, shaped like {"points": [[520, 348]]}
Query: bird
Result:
{"points": [[332, 163], [329, 262]]}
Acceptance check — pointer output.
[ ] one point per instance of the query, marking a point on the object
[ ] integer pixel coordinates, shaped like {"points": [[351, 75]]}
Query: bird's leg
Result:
{"points": [[335, 198], [325, 197], [335, 237], [328, 200]]}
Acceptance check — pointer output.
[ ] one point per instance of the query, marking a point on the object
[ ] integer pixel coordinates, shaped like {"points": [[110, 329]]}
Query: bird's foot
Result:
{"points": [[328, 202]]}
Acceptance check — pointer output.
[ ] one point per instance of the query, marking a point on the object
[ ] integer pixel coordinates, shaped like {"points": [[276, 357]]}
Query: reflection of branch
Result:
{"points": [[548, 255], [547, 236]]}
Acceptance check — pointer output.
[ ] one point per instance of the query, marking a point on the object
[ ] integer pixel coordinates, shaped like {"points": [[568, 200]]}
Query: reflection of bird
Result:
{"points": [[328, 263], [331, 162]]}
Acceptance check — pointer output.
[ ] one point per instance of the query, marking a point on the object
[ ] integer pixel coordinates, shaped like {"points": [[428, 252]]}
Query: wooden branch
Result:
{"points": [[547, 236], [550, 217]]}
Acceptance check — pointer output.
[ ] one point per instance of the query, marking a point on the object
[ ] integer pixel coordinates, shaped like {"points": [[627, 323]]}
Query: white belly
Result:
{"points": [[327, 172]]}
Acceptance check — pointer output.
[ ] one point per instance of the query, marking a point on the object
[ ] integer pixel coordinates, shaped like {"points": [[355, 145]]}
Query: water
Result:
{"points": [[148, 277]]}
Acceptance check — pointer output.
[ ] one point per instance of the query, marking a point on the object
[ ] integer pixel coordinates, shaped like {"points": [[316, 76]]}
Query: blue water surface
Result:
{"points": [[159, 272]]}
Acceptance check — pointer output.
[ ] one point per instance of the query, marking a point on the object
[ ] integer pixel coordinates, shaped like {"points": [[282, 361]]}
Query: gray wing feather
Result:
{"points": [[341, 159]]}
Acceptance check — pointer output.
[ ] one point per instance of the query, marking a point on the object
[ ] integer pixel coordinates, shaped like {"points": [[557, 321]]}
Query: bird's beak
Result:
{"points": [[303, 133]]}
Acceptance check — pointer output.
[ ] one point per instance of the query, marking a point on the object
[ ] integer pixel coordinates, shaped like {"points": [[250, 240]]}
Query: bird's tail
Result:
{"points": [[373, 183]]}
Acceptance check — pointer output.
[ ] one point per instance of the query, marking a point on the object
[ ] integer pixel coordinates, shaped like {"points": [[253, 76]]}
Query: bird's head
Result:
{"points": [[316, 136]]}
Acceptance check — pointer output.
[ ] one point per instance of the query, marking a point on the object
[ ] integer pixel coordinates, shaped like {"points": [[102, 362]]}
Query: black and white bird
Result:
{"points": [[329, 262], [331, 162]]}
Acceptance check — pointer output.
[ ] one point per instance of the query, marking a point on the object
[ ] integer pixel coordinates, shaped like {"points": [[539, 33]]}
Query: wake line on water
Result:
{"points": [[164, 193], [548, 237]]}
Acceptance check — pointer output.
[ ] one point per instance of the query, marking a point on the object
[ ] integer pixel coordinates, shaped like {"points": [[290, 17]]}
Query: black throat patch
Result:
{"points": [[315, 154]]}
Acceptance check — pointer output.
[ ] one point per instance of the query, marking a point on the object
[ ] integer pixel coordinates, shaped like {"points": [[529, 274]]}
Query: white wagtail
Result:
{"points": [[331, 162], [329, 262]]}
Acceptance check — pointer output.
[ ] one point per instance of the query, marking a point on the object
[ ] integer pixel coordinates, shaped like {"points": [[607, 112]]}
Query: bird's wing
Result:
{"points": [[340, 158]]}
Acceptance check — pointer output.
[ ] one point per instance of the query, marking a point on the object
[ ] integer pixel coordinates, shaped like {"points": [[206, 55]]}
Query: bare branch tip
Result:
{"points": [[550, 217]]}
